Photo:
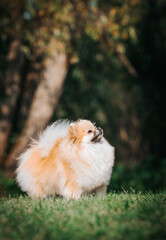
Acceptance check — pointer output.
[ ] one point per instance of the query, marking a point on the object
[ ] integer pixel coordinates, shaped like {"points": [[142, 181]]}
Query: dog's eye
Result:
{"points": [[89, 131]]}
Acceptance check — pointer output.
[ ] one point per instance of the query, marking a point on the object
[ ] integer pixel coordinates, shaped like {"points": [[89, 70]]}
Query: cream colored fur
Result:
{"points": [[65, 161]]}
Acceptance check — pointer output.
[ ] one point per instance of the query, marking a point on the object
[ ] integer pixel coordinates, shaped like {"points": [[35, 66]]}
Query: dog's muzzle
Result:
{"points": [[97, 135]]}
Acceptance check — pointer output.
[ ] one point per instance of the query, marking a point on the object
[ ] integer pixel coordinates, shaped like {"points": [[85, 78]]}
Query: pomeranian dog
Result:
{"points": [[70, 159]]}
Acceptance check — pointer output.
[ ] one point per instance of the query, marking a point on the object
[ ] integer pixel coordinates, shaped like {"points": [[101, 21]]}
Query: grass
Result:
{"points": [[118, 216]]}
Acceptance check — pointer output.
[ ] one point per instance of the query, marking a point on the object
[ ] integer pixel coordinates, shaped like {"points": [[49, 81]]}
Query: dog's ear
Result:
{"points": [[72, 131]]}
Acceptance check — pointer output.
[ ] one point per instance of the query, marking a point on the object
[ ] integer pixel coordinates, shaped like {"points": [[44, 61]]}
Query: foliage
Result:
{"points": [[103, 40], [118, 216], [140, 177]]}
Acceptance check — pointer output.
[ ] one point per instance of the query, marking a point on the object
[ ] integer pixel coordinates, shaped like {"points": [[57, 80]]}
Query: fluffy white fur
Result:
{"points": [[51, 134], [75, 167]]}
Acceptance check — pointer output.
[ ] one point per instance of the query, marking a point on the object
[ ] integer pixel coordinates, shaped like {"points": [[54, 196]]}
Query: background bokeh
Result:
{"points": [[99, 60]]}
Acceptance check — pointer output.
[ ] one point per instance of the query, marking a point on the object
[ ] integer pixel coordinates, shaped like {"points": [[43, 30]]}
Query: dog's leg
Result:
{"points": [[71, 191], [101, 190], [36, 191]]}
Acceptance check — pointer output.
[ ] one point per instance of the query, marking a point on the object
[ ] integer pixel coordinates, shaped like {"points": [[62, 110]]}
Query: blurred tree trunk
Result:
{"points": [[33, 78], [43, 104], [12, 85]]}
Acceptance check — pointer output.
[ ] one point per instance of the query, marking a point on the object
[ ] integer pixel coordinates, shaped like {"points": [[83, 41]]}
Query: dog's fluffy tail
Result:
{"points": [[50, 135]]}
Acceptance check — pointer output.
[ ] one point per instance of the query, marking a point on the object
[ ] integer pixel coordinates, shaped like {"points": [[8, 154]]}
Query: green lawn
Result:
{"points": [[118, 216]]}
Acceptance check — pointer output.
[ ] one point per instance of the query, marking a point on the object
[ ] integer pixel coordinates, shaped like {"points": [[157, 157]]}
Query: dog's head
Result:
{"points": [[84, 131]]}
